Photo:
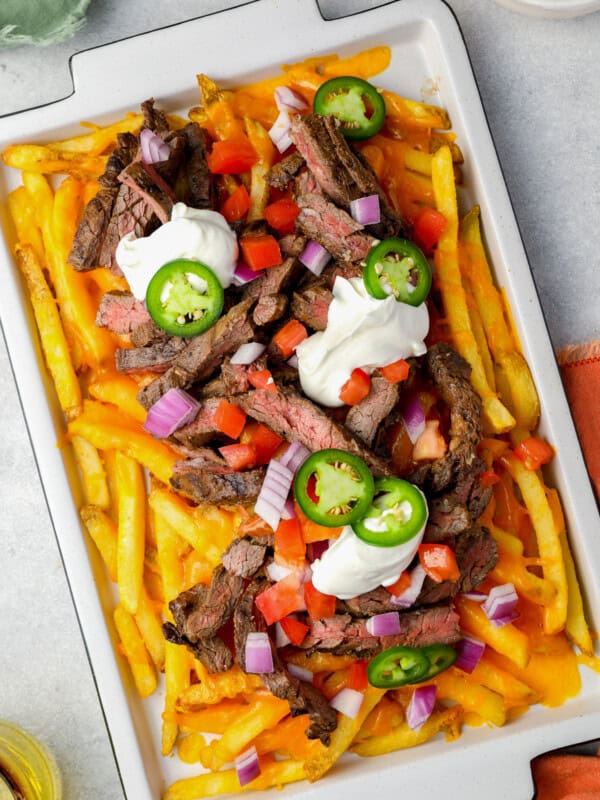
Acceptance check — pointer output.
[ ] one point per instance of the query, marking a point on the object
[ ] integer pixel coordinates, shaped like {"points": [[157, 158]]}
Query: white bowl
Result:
{"points": [[552, 8]]}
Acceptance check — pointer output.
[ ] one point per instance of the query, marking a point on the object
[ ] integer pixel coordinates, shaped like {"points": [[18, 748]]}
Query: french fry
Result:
{"points": [[341, 738], [259, 186], [177, 680], [403, 737], [414, 113], [101, 139], [189, 748], [169, 546], [131, 531], [452, 684], [218, 524], [497, 417], [46, 160], [178, 514], [151, 629], [289, 737], [387, 714], [93, 474], [479, 336], [25, 221], [263, 712], [113, 387], [141, 666], [220, 118], [52, 336], [273, 773], [320, 662], [507, 640], [548, 537], [511, 569], [214, 719], [103, 531], [514, 691], [214, 688]]}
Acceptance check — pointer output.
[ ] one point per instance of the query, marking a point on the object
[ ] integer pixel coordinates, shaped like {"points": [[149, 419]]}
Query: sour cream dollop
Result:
{"points": [[350, 567], [197, 234], [361, 332]]}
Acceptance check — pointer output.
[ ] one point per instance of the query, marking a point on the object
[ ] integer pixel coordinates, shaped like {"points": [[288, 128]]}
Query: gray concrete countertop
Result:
{"points": [[539, 85]]}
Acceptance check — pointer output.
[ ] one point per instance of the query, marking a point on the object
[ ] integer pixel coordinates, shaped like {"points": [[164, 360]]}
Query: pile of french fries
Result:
{"points": [[156, 544]]}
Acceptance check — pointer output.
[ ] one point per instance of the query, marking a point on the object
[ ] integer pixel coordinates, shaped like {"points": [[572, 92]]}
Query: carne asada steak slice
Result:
{"points": [[365, 417], [295, 418], [203, 486], [303, 698], [154, 118], [450, 374], [137, 177], [156, 357], [202, 429], [310, 304], [203, 354], [246, 555], [341, 173], [344, 635], [201, 189], [269, 309], [275, 280], [203, 458], [121, 312], [283, 173], [131, 213], [455, 511], [212, 651]]}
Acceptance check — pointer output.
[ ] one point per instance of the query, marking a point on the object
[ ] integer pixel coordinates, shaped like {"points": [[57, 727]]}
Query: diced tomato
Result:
{"points": [[318, 605], [239, 456], [261, 251], [396, 372], [229, 419], [262, 439], [312, 531], [290, 548], [428, 227], [439, 562], [294, 629], [430, 444], [231, 157], [262, 379], [281, 599], [533, 452], [488, 478], [356, 388], [236, 205], [282, 214], [400, 586], [289, 337], [357, 676]]}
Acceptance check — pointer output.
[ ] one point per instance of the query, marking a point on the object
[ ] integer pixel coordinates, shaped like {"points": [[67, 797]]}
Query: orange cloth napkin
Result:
{"points": [[580, 369], [566, 777]]}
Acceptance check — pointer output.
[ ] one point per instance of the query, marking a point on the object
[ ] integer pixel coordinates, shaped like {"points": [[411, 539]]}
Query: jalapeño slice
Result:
{"points": [[397, 267], [184, 297], [399, 666], [356, 103], [333, 487], [397, 514]]}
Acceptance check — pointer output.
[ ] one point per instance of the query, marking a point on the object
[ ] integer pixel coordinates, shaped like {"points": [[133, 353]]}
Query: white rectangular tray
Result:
{"points": [[233, 47]]}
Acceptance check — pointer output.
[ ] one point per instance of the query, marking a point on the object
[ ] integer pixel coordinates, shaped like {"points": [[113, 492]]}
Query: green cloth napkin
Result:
{"points": [[40, 21]]}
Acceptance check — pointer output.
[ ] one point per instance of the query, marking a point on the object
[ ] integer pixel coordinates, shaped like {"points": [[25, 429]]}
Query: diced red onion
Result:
{"points": [[476, 597], [347, 702], [314, 257], [281, 637], [277, 572], [469, 651], [175, 409], [287, 99], [289, 509], [300, 673], [247, 353], [386, 624], [500, 622], [280, 132], [294, 456], [243, 274], [414, 418], [293, 361], [247, 766], [273, 493], [409, 595], [316, 549], [366, 210], [154, 149], [500, 603], [420, 706], [258, 656]]}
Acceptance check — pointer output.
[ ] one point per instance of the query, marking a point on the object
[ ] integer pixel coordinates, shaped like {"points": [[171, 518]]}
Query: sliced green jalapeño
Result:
{"points": [[184, 297], [333, 487], [397, 267], [397, 514], [402, 665], [355, 103]]}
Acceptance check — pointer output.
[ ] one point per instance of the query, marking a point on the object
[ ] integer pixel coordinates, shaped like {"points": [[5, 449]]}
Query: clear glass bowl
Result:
{"points": [[27, 770]]}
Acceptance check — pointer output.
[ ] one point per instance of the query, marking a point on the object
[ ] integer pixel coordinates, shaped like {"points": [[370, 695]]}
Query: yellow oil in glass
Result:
{"points": [[27, 770]]}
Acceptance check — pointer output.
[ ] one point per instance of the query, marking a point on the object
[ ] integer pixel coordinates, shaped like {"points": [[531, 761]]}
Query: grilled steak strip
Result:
{"points": [[154, 118], [450, 374], [275, 280], [303, 698], [310, 304], [121, 313], [269, 309], [203, 354], [156, 357], [365, 417], [202, 429], [344, 635], [212, 652], [138, 178], [203, 486], [296, 418], [340, 171], [246, 555], [283, 173], [200, 190]]}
